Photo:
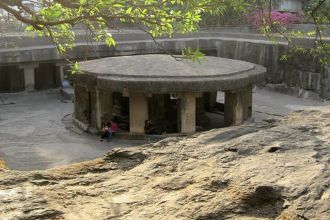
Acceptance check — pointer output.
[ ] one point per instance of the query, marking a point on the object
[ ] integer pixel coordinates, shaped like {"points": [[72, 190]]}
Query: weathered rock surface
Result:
{"points": [[274, 170]]}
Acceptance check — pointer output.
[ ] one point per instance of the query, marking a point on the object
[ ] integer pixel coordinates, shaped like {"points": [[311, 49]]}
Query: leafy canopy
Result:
{"points": [[158, 18]]}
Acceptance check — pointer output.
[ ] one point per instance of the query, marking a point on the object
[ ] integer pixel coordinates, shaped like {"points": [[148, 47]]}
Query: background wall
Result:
{"points": [[298, 75]]}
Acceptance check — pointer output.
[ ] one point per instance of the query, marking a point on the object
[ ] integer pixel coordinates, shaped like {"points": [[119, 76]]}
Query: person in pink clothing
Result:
{"points": [[114, 127]]}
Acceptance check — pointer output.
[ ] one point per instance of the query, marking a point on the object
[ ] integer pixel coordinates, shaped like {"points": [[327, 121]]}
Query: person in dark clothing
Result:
{"points": [[106, 132], [149, 128]]}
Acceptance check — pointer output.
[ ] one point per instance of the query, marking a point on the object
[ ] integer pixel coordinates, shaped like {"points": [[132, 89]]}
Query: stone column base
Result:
{"points": [[138, 113], [187, 112], [238, 106], [29, 78]]}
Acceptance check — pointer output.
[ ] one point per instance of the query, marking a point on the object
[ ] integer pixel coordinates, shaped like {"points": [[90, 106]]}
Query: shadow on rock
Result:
{"points": [[125, 159], [262, 202], [265, 201]]}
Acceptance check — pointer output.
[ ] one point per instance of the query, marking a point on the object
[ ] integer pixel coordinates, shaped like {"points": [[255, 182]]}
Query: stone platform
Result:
{"points": [[163, 73], [140, 78]]}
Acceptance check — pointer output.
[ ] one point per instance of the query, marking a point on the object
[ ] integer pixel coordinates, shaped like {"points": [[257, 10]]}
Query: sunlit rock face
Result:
{"points": [[270, 170]]}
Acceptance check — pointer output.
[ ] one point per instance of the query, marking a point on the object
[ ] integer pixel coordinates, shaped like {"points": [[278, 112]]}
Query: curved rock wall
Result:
{"points": [[301, 73]]}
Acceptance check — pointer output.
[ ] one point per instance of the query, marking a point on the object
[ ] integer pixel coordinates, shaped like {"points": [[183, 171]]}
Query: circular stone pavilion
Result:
{"points": [[162, 89]]}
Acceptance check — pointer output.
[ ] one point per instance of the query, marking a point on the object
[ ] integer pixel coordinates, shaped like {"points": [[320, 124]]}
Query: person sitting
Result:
{"points": [[106, 132], [149, 127], [114, 127]]}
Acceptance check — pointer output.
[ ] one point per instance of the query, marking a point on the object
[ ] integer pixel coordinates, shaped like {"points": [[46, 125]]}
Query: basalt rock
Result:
{"points": [[2, 165], [271, 170]]}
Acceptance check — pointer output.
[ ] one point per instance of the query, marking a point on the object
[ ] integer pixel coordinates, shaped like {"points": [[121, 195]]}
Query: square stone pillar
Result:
{"points": [[106, 105], [238, 106], [187, 113], [60, 73], [98, 109], [138, 113], [29, 76], [101, 107], [82, 104], [325, 82]]}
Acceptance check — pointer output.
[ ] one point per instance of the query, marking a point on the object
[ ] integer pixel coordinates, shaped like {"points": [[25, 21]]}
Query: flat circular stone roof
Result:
{"points": [[163, 66], [163, 73]]}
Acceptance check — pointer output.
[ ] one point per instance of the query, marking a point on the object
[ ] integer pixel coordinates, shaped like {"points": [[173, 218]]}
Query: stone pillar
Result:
{"points": [[29, 76], [187, 112], [238, 106], [101, 107], [138, 113], [98, 109], [81, 104], [60, 72], [325, 82], [77, 102], [106, 105]]}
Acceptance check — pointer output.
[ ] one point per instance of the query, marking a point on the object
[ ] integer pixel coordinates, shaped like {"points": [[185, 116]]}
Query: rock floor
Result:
{"points": [[268, 170], [33, 134]]}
